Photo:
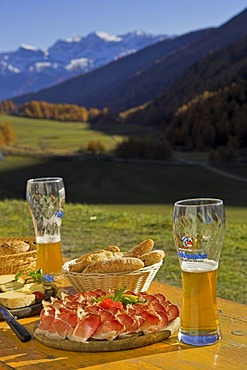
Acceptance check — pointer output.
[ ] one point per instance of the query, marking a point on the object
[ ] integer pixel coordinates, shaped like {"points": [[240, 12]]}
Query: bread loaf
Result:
{"points": [[14, 247], [122, 264], [141, 248], [87, 259], [152, 257], [13, 299], [113, 248], [113, 260]]}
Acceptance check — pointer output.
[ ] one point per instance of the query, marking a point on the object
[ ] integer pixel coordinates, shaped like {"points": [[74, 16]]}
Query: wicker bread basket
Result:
{"points": [[13, 263], [136, 281]]}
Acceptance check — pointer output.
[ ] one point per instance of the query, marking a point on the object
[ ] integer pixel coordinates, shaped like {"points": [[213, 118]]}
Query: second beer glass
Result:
{"points": [[198, 230]]}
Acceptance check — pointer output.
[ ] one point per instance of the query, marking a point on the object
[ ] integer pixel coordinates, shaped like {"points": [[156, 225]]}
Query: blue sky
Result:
{"points": [[42, 22]]}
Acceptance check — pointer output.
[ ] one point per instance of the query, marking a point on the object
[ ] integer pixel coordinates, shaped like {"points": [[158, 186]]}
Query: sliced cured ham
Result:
{"points": [[99, 315], [46, 319], [85, 328], [109, 329]]}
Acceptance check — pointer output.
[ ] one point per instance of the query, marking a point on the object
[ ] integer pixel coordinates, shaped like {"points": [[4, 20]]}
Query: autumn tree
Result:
{"points": [[7, 133], [7, 107]]}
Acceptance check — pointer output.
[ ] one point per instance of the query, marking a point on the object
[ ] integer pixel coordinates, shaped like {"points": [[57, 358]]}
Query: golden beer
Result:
{"points": [[49, 258], [198, 232], [199, 314], [45, 198]]}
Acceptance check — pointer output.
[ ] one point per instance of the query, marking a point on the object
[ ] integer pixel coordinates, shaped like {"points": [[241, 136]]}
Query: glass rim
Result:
{"points": [[45, 179], [199, 202]]}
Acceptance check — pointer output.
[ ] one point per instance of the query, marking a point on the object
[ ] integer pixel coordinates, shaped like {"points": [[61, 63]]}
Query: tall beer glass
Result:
{"points": [[45, 198], [198, 231]]}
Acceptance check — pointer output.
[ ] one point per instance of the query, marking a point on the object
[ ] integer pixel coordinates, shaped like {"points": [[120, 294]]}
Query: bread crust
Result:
{"points": [[89, 258], [144, 247], [111, 259], [113, 248], [122, 264], [152, 257], [82, 262], [14, 247], [13, 299]]}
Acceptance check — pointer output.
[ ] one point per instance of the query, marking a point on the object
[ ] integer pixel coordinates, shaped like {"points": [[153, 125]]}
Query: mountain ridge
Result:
{"points": [[96, 82], [141, 77], [65, 59]]}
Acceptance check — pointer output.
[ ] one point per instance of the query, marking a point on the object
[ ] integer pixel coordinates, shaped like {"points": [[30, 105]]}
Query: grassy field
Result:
{"points": [[103, 181], [86, 228], [64, 137], [54, 135]]}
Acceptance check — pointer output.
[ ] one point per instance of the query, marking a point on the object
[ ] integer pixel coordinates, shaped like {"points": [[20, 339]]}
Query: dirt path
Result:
{"points": [[223, 173]]}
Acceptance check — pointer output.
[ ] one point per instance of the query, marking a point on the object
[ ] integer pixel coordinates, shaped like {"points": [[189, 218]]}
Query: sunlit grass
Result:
{"points": [[88, 228], [51, 135], [54, 135]]}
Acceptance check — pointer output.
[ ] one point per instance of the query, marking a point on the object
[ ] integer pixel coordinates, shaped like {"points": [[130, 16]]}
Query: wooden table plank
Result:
{"points": [[229, 353]]}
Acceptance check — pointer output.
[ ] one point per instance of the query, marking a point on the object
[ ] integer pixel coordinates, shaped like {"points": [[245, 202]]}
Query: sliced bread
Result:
{"points": [[13, 299]]}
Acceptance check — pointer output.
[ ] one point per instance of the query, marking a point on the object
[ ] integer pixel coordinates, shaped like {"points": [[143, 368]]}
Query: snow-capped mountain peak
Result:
{"points": [[76, 38], [107, 37], [28, 47], [66, 58]]}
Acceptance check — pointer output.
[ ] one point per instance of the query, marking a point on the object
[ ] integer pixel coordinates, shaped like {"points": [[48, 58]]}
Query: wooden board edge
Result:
{"points": [[115, 345]]}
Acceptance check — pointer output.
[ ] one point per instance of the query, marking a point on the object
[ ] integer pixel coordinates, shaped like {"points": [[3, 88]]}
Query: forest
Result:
{"points": [[58, 112]]}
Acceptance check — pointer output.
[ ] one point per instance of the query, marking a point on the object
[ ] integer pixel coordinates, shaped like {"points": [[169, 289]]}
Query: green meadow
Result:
{"points": [[88, 227], [69, 137]]}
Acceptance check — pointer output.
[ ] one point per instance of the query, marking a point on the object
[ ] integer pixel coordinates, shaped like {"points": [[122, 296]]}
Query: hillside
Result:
{"points": [[212, 120], [214, 71], [156, 79], [145, 75]]}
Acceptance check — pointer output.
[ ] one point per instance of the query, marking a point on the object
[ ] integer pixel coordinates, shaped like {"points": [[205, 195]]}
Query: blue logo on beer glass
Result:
{"points": [[190, 256]]}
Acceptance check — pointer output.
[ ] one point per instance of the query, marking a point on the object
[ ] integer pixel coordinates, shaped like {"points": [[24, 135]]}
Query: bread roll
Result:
{"points": [[95, 256], [14, 247], [113, 248], [141, 248], [152, 257], [89, 258], [122, 264]]}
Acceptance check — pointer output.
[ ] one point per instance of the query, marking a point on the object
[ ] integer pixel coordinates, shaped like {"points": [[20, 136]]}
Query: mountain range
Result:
{"points": [[144, 75], [29, 69]]}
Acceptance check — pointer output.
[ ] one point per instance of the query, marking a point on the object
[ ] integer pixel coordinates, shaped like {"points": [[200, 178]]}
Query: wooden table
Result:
{"points": [[229, 353]]}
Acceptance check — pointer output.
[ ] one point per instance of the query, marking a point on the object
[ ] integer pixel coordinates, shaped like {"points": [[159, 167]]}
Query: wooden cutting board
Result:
{"points": [[32, 310], [27, 311], [132, 342]]}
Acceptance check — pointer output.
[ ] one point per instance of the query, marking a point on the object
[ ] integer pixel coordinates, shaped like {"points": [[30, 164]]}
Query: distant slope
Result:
{"points": [[215, 70], [158, 77], [145, 75], [212, 120]]}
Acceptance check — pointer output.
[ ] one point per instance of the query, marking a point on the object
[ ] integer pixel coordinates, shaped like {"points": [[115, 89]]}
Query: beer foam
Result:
{"points": [[199, 266]]}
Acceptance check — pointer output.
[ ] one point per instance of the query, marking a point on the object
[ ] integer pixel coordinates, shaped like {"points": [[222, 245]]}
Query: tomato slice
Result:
{"points": [[39, 296], [109, 302], [118, 304], [106, 302]]}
